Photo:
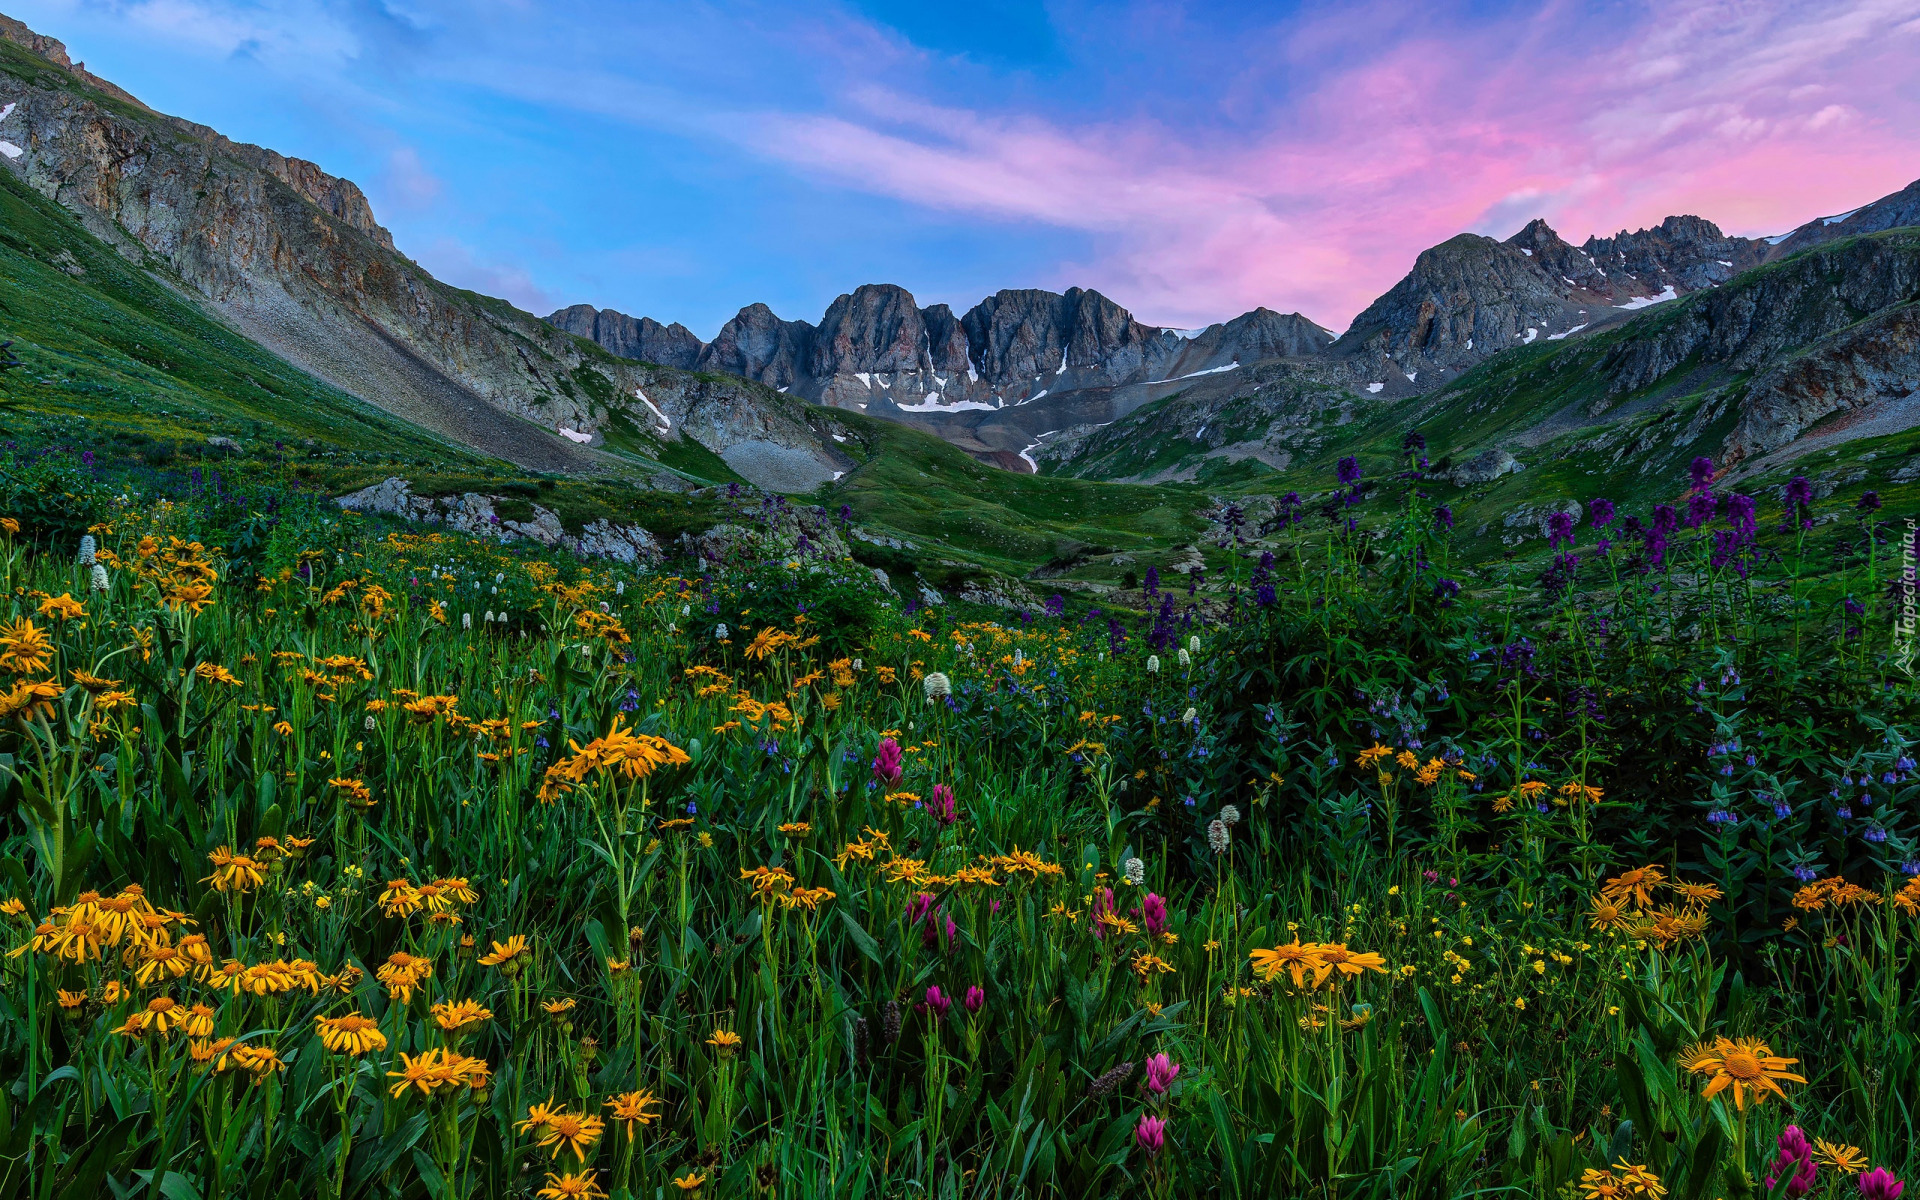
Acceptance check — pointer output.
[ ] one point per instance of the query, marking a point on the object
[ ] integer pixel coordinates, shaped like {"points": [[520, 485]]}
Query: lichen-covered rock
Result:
{"points": [[474, 514]]}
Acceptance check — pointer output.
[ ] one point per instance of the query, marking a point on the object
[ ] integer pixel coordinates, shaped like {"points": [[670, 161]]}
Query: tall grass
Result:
{"points": [[364, 862]]}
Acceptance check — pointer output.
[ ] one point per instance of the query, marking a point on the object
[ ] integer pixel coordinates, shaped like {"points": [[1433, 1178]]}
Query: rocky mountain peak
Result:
{"points": [[644, 339], [874, 328], [758, 345]]}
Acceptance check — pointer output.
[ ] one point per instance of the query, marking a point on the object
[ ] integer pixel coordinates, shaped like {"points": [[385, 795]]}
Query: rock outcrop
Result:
{"points": [[477, 515], [645, 339]]}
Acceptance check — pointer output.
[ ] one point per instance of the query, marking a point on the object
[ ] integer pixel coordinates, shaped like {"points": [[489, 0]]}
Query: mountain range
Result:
{"points": [[1517, 342], [1023, 365]]}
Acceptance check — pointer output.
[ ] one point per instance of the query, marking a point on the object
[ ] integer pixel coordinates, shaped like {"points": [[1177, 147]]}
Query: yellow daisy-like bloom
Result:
{"points": [[690, 1182], [1637, 885], [573, 1131], [578, 1186], [215, 1056], [27, 650], [458, 1017], [1848, 1160], [634, 1108], [1295, 958], [1744, 1065], [233, 872], [1604, 914], [1639, 1180], [1338, 961], [261, 1061], [1372, 755], [505, 952], [1602, 1185], [402, 973], [352, 1034], [199, 1021], [724, 1040]]}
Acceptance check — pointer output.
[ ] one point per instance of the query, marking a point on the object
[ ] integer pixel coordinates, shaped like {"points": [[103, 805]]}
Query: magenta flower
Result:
{"points": [[975, 999], [886, 764], [1102, 904], [1153, 914], [920, 907], [938, 1002], [1795, 1155], [943, 806], [1160, 1073], [1879, 1184], [1702, 471], [1151, 1135]]}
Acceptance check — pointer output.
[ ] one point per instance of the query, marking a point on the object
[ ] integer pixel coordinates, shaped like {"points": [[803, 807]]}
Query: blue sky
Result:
{"points": [[1191, 160]]}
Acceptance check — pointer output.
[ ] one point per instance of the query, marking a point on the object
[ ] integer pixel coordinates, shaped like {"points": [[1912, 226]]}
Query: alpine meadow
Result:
{"points": [[448, 754]]}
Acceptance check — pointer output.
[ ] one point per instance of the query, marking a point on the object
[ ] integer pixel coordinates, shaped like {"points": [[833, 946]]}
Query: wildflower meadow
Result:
{"points": [[355, 859]]}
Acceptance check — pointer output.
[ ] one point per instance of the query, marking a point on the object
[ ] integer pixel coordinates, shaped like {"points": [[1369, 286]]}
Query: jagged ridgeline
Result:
{"points": [[168, 286]]}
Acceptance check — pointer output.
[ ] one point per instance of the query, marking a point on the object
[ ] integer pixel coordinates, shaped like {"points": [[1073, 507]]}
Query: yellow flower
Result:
{"points": [[1848, 1160], [563, 1131], [1639, 1180], [634, 1108], [690, 1182], [1743, 1064], [515, 947], [457, 1017], [1295, 958], [724, 1040], [62, 607], [578, 1186], [352, 1034], [27, 649], [1337, 960]]}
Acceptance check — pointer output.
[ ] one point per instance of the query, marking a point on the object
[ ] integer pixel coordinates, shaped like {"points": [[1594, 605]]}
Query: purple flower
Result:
{"points": [[1879, 1184], [1740, 514], [1600, 513], [1700, 508], [1442, 518], [886, 764], [1869, 502], [975, 999], [1348, 470], [1151, 1135], [1160, 1073], [1665, 520], [1153, 914], [938, 1002], [1702, 471], [1560, 529], [943, 807]]}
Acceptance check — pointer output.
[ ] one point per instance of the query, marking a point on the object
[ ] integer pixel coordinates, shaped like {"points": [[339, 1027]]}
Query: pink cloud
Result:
{"points": [[1755, 116]]}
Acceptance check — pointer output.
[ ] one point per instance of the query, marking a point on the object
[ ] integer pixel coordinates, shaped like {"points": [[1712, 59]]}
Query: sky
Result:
{"points": [[1191, 161]]}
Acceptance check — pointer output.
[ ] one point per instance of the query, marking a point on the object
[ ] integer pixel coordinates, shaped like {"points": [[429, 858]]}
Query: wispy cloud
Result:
{"points": [[1755, 115], [1190, 160]]}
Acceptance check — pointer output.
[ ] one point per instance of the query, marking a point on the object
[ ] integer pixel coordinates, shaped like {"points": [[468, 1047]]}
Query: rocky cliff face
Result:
{"points": [[760, 346], [292, 257], [1465, 299], [645, 339]]}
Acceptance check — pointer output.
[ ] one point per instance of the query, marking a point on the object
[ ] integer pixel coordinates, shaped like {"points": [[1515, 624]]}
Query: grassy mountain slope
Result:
{"points": [[111, 352], [929, 490]]}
